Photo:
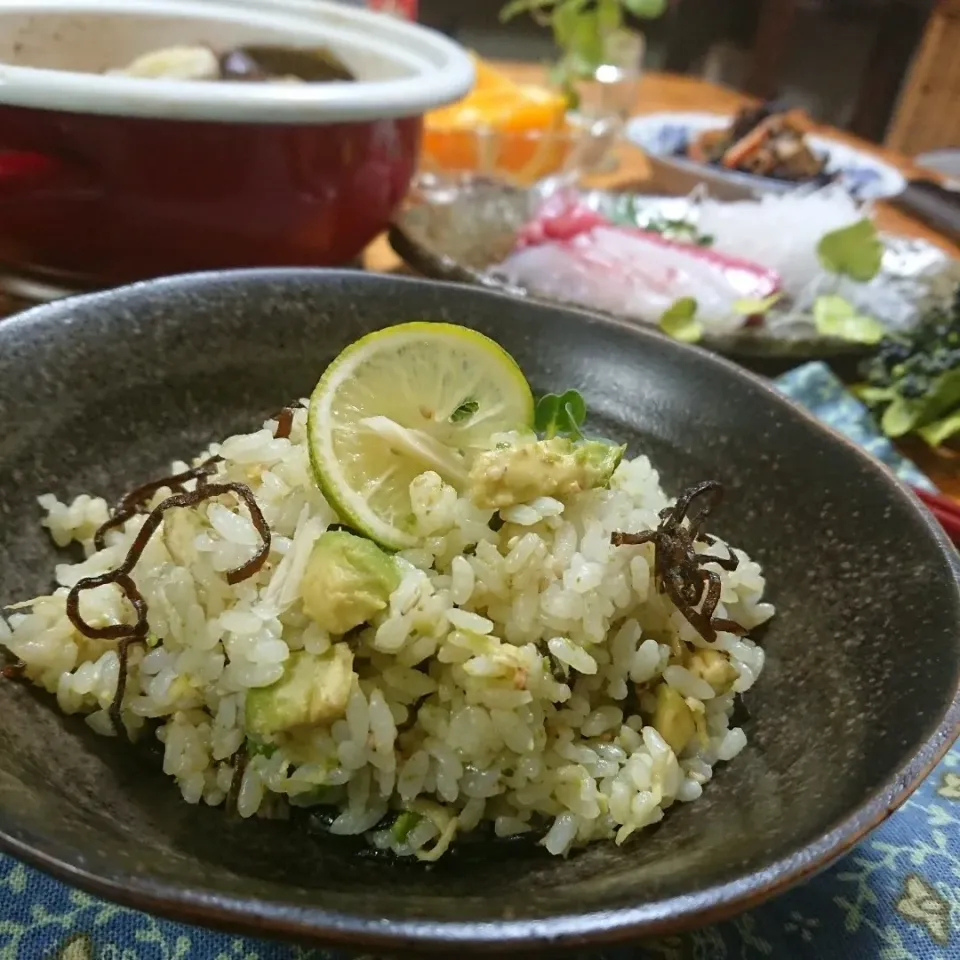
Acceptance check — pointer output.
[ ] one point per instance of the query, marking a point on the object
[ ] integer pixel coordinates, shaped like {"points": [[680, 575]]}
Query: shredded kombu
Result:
{"points": [[678, 568]]}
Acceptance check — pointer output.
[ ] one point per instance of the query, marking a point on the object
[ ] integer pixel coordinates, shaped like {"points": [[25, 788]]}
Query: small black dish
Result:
{"points": [[858, 701]]}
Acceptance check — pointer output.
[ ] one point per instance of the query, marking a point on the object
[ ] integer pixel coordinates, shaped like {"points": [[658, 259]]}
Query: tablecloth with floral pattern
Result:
{"points": [[896, 897]]}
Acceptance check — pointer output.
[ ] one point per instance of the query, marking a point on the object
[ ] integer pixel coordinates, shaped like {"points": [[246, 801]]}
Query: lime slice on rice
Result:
{"points": [[398, 402]]}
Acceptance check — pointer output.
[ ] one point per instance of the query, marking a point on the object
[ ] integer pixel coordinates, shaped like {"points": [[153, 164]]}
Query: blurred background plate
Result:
{"points": [[465, 238], [663, 137]]}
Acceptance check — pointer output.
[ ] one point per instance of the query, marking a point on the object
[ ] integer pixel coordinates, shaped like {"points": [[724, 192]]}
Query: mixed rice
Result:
{"points": [[524, 672]]}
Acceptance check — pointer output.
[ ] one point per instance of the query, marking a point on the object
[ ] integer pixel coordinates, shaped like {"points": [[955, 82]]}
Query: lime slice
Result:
{"points": [[398, 402]]}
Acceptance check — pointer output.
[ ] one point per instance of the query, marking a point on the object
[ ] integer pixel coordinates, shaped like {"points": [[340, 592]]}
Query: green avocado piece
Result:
{"points": [[673, 719], [313, 690], [714, 667], [347, 580], [548, 468]]}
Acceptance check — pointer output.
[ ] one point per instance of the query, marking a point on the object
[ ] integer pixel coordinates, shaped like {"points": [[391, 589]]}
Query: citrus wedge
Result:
{"points": [[517, 135], [520, 108], [489, 77], [398, 402]]}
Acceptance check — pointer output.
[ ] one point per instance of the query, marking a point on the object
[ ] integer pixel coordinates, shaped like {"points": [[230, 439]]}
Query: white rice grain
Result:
{"points": [[573, 656], [688, 684]]}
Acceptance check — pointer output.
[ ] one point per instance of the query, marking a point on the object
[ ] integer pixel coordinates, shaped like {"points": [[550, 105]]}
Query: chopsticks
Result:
{"points": [[945, 510]]}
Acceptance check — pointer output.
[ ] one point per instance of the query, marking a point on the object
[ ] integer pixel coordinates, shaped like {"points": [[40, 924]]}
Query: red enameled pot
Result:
{"points": [[107, 179]]}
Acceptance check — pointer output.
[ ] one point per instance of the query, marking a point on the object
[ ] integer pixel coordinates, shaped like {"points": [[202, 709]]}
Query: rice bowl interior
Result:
{"points": [[855, 701]]}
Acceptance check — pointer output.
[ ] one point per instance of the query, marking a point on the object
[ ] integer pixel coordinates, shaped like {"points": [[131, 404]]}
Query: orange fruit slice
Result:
{"points": [[488, 77], [505, 130]]}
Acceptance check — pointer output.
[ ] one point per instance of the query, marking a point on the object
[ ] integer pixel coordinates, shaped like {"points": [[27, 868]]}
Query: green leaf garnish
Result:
{"points": [[855, 251], [257, 748], [941, 399], [564, 21], [646, 9], [584, 38], [931, 409], [581, 28], [940, 431], [545, 413], [874, 395], [575, 408], [466, 410], [679, 321], [516, 7], [836, 317], [560, 415], [899, 418], [752, 307], [609, 16], [912, 382]]}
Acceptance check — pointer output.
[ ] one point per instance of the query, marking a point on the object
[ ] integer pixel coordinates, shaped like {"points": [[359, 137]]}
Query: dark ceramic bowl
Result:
{"points": [[858, 700], [108, 179]]}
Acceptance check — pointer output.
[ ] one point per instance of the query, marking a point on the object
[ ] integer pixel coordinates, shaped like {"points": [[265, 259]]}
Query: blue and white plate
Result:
{"points": [[663, 137]]}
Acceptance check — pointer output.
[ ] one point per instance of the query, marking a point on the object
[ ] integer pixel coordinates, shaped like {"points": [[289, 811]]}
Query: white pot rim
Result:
{"points": [[440, 70]]}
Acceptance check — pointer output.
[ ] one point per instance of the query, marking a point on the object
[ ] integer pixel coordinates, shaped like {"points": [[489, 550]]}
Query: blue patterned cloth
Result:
{"points": [[817, 388], [896, 897]]}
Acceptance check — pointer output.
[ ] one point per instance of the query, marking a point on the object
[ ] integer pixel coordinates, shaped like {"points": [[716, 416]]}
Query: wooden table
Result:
{"points": [[668, 92]]}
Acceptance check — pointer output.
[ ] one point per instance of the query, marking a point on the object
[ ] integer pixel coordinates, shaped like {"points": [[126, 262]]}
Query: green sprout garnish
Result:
{"points": [[679, 321], [754, 307], [560, 415], [940, 431], [836, 317], [855, 251]]}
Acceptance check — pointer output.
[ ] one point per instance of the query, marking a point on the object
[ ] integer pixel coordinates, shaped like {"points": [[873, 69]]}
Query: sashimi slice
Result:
{"points": [[572, 253]]}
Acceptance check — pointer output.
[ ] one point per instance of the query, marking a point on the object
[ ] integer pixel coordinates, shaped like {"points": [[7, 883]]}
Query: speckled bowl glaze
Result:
{"points": [[859, 698]]}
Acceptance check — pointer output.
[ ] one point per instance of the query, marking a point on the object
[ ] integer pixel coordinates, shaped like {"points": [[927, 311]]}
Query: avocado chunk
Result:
{"points": [[313, 690], [547, 468], [673, 719], [715, 668], [347, 580]]}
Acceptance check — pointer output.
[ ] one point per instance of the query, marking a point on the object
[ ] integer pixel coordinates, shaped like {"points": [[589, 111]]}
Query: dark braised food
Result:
{"points": [[763, 141], [250, 64], [309, 65]]}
